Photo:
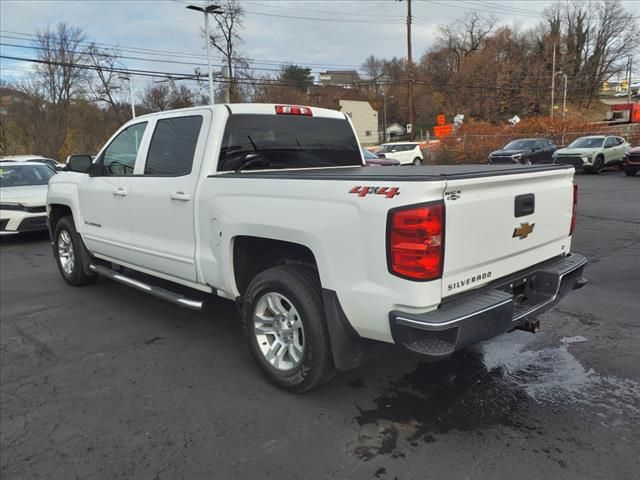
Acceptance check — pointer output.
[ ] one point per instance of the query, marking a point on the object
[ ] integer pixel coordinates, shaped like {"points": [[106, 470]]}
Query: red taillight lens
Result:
{"points": [[415, 241], [575, 209], [293, 110]]}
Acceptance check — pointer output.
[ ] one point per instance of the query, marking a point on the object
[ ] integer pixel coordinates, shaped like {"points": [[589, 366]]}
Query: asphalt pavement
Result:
{"points": [[103, 382]]}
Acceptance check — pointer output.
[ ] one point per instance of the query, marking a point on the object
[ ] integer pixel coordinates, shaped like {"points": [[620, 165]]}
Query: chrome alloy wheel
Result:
{"points": [[65, 252], [279, 331]]}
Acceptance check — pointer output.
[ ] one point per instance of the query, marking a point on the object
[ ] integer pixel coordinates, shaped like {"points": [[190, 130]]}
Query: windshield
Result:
{"points": [[587, 142], [24, 175], [520, 145], [368, 155], [287, 141]]}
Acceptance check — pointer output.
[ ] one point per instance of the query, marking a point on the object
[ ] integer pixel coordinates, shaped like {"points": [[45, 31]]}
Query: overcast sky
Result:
{"points": [[320, 34]]}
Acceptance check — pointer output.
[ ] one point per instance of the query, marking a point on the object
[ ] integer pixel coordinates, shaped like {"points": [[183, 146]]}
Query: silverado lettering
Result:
{"points": [[468, 281]]}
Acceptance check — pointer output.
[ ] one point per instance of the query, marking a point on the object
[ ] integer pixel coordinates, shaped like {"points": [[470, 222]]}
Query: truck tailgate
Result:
{"points": [[491, 231]]}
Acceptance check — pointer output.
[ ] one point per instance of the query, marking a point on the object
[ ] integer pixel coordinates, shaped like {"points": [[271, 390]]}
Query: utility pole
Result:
{"points": [[384, 115], [564, 98], [629, 88], [410, 70], [553, 79], [207, 10]]}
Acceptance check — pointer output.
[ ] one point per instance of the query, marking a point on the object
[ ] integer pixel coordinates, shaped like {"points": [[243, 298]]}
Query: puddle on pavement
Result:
{"points": [[492, 384]]}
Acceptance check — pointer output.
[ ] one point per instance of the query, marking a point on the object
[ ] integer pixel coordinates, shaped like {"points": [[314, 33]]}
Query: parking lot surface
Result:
{"points": [[104, 382]]}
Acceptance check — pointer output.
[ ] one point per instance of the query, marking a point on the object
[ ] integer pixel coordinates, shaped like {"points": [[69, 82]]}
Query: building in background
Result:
{"points": [[352, 103], [395, 132], [340, 78]]}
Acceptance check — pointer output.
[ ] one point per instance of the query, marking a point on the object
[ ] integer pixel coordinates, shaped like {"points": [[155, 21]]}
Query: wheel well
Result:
{"points": [[56, 212], [252, 255]]}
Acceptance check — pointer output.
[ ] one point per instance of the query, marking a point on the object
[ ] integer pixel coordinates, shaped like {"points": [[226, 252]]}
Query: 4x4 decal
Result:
{"points": [[388, 192]]}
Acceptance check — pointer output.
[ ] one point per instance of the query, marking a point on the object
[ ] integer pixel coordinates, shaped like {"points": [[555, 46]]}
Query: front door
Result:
{"points": [[162, 203], [105, 201]]}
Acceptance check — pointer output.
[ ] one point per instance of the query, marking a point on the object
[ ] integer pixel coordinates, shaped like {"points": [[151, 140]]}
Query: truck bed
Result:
{"points": [[397, 174]]}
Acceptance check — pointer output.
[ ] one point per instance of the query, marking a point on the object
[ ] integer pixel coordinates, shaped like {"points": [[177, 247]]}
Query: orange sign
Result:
{"points": [[443, 130], [441, 120]]}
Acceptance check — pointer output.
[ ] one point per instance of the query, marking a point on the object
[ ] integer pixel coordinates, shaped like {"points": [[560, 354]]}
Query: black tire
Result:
{"points": [[75, 275], [598, 165], [417, 161], [301, 286], [630, 172], [526, 161]]}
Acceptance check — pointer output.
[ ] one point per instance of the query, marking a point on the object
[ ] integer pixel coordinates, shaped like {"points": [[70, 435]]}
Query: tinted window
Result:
{"points": [[120, 156], [587, 142], [24, 175], [520, 145], [287, 141], [610, 142], [173, 145]]}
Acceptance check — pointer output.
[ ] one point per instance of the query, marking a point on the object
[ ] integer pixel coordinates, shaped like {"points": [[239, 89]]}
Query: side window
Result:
{"points": [[619, 141], [120, 156], [609, 142], [173, 145]]}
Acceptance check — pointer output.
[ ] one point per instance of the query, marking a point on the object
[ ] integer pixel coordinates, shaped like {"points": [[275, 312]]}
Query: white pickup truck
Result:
{"points": [[272, 206]]}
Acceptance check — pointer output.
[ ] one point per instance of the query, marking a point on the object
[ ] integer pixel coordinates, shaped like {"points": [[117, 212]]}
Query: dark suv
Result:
{"points": [[526, 151]]}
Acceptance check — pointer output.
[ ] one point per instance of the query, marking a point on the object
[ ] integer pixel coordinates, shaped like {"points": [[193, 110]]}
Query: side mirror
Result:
{"points": [[79, 163]]}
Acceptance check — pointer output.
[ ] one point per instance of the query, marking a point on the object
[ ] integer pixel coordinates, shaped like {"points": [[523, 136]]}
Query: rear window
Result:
{"points": [[287, 141]]}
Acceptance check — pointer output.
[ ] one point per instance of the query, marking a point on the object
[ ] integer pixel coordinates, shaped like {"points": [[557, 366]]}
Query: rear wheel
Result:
{"points": [[417, 161], [71, 254], [526, 161], [630, 172], [284, 322]]}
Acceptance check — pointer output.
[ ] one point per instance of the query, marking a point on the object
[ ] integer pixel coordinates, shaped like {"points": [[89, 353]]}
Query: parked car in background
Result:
{"points": [[23, 196], [593, 153], [371, 158], [526, 151], [407, 153], [33, 158], [631, 164]]}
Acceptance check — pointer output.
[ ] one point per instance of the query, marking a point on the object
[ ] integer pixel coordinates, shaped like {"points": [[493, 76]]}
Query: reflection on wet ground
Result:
{"points": [[496, 383]]}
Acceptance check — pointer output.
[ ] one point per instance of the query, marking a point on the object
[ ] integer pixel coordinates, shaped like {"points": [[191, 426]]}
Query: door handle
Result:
{"points": [[120, 192], [181, 196]]}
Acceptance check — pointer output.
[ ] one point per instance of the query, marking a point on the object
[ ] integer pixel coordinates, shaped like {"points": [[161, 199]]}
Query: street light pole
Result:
{"points": [[384, 115], [564, 98], [133, 105], [207, 10], [553, 79]]}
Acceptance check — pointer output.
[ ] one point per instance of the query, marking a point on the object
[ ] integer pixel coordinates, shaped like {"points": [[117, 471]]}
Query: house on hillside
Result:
{"points": [[340, 78], [352, 103]]}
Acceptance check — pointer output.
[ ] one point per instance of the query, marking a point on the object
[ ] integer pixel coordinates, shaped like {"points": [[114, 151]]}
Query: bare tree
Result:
{"points": [[59, 51], [225, 39], [466, 36], [374, 68], [106, 85]]}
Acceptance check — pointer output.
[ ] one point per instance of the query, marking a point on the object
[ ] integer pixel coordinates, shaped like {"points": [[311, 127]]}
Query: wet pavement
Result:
{"points": [[105, 382]]}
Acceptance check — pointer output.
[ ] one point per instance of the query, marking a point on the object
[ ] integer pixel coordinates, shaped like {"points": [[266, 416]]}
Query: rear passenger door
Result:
{"points": [[162, 203]]}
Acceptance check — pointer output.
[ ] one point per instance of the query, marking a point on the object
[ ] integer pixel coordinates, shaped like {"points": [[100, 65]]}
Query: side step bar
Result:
{"points": [[159, 292]]}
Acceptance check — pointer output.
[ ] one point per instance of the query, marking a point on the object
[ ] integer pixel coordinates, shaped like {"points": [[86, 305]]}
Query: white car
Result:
{"points": [[23, 196], [407, 153], [33, 158], [272, 206]]}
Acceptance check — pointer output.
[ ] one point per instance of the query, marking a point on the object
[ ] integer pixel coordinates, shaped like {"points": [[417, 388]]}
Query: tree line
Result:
{"points": [[77, 93]]}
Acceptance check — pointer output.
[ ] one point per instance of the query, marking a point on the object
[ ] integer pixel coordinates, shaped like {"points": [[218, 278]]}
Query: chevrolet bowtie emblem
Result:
{"points": [[523, 230]]}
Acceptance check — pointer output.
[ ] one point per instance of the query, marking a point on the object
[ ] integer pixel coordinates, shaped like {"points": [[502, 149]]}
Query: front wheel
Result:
{"points": [[417, 161], [630, 172], [284, 322], [70, 253], [598, 165]]}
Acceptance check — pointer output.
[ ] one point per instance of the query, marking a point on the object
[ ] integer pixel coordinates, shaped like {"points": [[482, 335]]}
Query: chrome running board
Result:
{"points": [[159, 292]]}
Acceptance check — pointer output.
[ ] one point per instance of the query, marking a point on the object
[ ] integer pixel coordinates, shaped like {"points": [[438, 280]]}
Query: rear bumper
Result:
{"points": [[486, 313]]}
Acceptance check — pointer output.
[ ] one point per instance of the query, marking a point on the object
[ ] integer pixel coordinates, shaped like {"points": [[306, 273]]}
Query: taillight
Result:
{"points": [[415, 241], [575, 209], [293, 110]]}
